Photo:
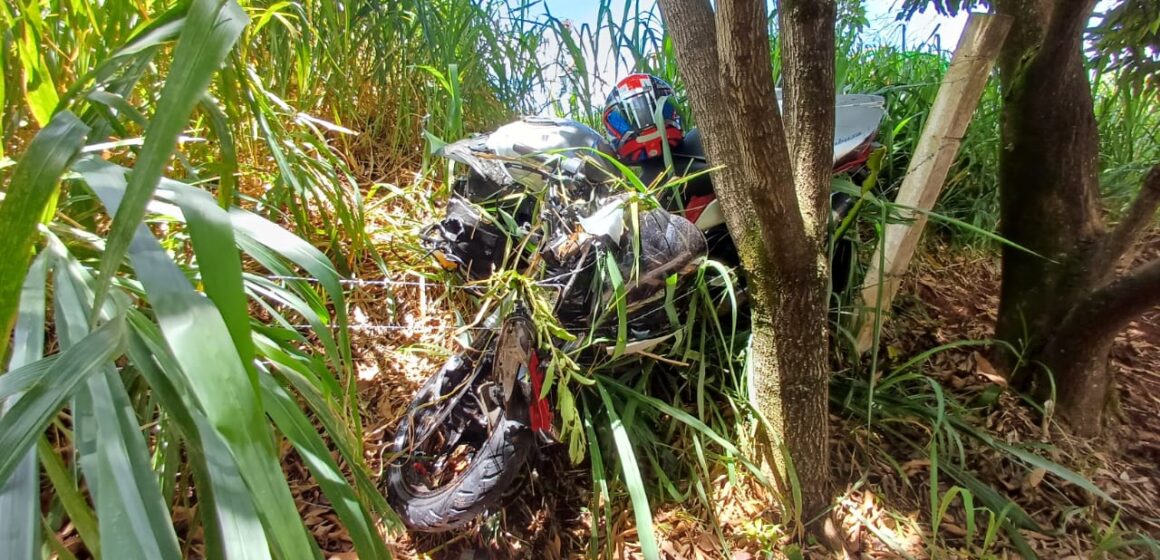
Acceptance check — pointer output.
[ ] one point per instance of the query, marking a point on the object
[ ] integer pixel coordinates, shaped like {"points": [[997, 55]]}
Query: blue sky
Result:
{"points": [[883, 27], [930, 28]]}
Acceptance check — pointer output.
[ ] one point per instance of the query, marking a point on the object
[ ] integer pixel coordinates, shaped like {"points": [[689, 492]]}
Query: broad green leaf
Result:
{"points": [[3, 95], [135, 521], [1034, 460], [632, 479], [600, 491], [32, 185], [992, 499], [17, 381], [208, 34], [71, 316], [115, 458], [666, 408], [270, 244], [220, 264], [973, 229], [233, 527], [222, 385], [20, 496], [28, 418]]}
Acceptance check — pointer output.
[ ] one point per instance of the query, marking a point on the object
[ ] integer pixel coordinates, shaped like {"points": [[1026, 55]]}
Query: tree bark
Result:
{"points": [[774, 205], [1077, 355], [1062, 311], [1048, 170]]}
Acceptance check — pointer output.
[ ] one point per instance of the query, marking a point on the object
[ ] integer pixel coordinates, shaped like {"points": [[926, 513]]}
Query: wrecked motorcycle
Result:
{"points": [[543, 197]]}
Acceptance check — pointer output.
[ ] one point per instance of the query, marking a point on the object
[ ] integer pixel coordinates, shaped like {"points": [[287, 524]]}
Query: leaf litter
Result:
{"points": [[950, 295]]}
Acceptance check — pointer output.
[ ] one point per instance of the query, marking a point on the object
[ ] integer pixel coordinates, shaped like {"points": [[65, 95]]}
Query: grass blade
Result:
{"points": [[32, 185], [69, 494], [209, 32], [27, 419], [632, 479], [298, 429], [233, 528], [20, 496], [135, 521], [619, 292], [222, 385], [220, 266]]}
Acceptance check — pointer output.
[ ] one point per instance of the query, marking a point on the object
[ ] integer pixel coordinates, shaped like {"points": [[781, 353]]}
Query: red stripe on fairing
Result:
{"points": [[697, 205], [539, 413]]}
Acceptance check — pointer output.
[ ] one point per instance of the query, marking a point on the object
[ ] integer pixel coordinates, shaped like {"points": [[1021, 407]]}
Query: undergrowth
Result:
{"points": [[316, 116]]}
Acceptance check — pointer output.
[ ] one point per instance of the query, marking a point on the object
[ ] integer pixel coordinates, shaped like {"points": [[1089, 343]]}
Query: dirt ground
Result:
{"points": [[950, 295]]}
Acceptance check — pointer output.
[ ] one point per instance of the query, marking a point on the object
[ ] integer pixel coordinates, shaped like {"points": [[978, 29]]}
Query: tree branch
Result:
{"points": [[1139, 217], [693, 29], [807, 53], [1110, 308], [747, 83]]}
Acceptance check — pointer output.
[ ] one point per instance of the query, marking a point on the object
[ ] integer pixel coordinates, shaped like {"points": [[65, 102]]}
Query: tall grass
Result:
{"points": [[909, 79], [149, 385], [159, 153]]}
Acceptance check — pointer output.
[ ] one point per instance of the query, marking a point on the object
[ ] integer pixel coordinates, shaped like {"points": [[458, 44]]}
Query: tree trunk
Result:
{"points": [[1048, 171], [1058, 311], [1077, 352], [775, 205]]}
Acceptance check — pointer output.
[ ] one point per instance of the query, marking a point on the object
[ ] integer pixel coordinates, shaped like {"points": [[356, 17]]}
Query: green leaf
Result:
{"points": [[619, 293], [220, 124], [222, 385], [32, 186], [135, 521], [220, 265], [973, 229], [1034, 460], [233, 528], [28, 418], [41, 92], [632, 479], [20, 496], [677, 414], [209, 32], [112, 451], [68, 492], [600, 492], [298, 374], [298, 429]]}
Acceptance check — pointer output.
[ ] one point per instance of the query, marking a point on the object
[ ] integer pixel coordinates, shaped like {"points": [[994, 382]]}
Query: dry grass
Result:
{"points": [[952, 295]]}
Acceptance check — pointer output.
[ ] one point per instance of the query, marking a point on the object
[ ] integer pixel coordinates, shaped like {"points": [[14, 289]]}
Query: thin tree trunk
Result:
{"points": [[778, 229], [1062, 311], [1048, 170], [807, 39], [1077, 354]]}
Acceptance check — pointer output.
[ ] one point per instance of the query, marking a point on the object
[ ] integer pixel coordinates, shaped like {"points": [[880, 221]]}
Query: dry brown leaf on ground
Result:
{"points": [[988, 371]]}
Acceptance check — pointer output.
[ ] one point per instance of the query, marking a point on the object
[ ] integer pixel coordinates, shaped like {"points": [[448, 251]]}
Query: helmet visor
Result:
{"points": [[637, 108]]}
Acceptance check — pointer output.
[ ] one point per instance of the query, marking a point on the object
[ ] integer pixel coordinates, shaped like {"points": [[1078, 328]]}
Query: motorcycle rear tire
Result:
{"points": [[491, 472]]}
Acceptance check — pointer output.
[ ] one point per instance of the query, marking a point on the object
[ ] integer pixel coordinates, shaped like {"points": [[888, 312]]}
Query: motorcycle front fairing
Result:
{"points": [[856, 121], [558, 170]]}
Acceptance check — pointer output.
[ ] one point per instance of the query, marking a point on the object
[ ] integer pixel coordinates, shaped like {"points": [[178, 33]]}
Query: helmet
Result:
{"points": [[628, 116]]}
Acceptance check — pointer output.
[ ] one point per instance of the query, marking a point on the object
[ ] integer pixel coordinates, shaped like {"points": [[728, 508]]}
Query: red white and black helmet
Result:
{"points": [[629, 117]]}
